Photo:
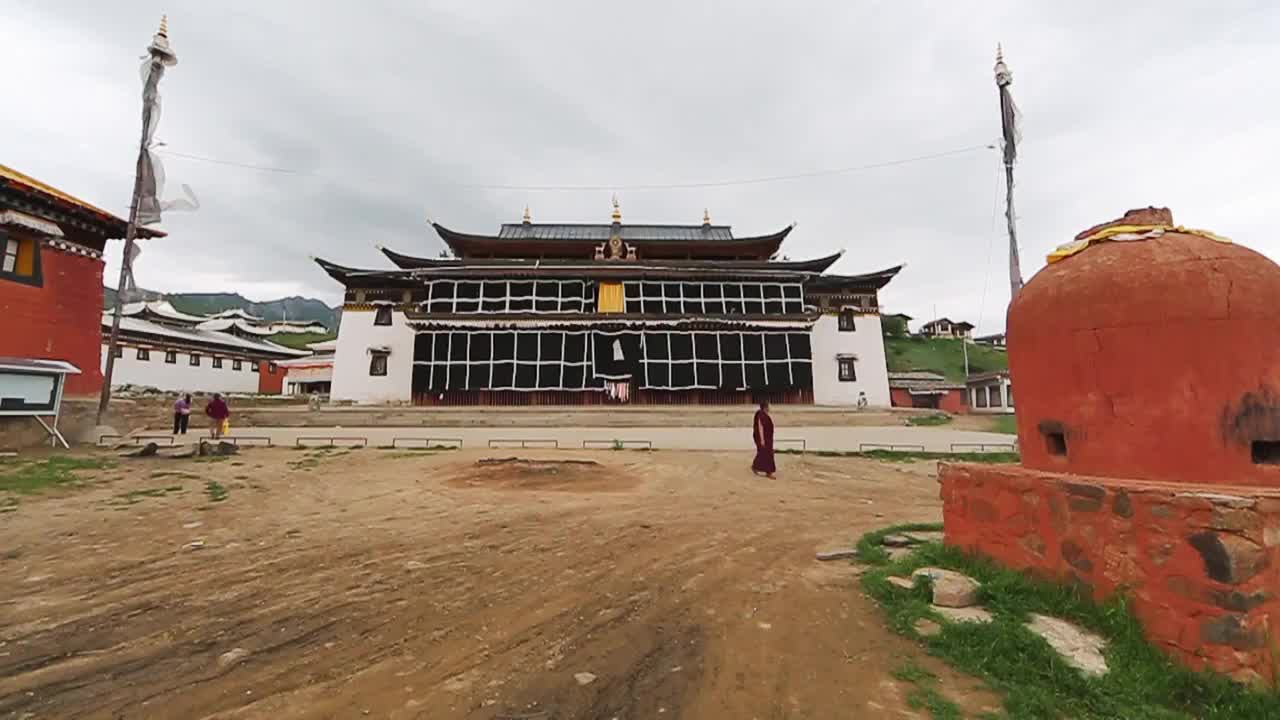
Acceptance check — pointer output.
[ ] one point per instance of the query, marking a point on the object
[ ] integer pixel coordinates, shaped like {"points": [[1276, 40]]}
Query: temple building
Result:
{"points": [[598, 313]]}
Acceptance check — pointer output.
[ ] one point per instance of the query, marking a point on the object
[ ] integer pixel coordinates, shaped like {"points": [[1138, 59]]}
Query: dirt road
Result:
{"points": [[409, 585]]}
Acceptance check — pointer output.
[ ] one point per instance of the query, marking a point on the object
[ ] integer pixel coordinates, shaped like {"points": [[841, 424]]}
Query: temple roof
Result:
{"points": [[110, 225], [542, 240], [409, 262]]}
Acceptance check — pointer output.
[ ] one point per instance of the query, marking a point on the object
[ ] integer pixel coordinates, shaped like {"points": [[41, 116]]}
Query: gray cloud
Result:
{"points": [[387, 109]]}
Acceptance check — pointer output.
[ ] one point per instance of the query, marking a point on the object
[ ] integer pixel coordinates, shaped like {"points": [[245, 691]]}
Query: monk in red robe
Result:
{"points": [[762, 433]]}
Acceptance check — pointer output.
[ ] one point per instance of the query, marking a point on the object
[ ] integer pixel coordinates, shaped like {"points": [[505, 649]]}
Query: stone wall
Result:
{"points": [[1201, 563]]}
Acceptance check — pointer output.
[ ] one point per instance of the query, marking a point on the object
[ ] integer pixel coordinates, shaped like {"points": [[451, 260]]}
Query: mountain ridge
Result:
{"points": [[294, 307]]}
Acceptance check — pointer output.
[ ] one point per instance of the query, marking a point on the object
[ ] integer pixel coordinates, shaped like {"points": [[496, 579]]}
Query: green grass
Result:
{"points": [[216, 491], [299, 341], [135, 496], [945, 357], [58, 471], [1007, 424], [925, 697], [928, 420], [1142, 683]]}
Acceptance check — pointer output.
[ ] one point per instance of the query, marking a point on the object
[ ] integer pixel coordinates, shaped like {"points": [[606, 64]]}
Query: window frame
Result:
{"points": [[217, 363], [193, 359], [171, 357], [144, 355], [377, 369], [382, 315], [847, 320], [237, 365], [846, 364], [272, 368], [36, 278], [253, 366]]}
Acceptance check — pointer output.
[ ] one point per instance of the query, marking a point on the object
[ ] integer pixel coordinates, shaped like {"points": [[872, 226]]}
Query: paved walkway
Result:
{"points": [[696, 438]]}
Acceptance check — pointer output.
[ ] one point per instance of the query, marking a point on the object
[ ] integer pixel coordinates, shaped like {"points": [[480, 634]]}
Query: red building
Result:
{"points": [[1149, 425], [918, 389], [51, 275]]}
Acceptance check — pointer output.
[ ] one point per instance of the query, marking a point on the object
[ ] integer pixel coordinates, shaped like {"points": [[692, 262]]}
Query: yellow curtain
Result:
{"points": [[611, 298], [1126, 232], [26, 261]]}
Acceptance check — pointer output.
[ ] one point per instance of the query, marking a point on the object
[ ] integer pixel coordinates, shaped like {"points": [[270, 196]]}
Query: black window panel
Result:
{"points": [[504, 375], [657, 346], [708, 373], [775, 346], [791, 292], [753, 307], [681, 346], [713, 307], [575, 347], [752, 347], [732, 291], [422, 346], [457, 346], [546, 304], [572, 289], [779, 374], [670, 290], [800, 348], [439, 376], [504, 346], [712, 291], [682, 375], [673, 307], [751, 291], [468, 290], [442, 290], [522, 288], [705, 346], [793, 307], [802, 374], [549, 376], [526, 346], [520, 304], [440, 346], [730, 346], [634, 306], [493, 306], [731, 376], [571, 304], [658, 375], [772, 292], [544, 290], [495, 289], [526, 376], [421, 378], [753, 376], [692, 291], [773, 307], [652, 307], [481, 347], [457, 377], [478, 377], [550, 346], [574, 377], [466, 306], [632, 290]]}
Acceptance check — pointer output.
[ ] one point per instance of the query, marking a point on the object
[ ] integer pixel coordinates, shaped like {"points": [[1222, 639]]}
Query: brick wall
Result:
{"points": [[59, 320], [1201, 563]]}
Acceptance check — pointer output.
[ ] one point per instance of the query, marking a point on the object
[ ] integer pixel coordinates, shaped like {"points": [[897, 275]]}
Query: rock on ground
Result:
{"points": [[897, 541], [901, 582], [925, 627], [967, 614], [584, 678], [1080, 648], [145, 451], [840, 554], [232, 657], [950, 588]]}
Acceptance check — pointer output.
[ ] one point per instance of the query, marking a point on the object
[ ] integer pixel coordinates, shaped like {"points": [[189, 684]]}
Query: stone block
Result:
{"points": [[1232, 631], [1121, 505], [1078, 647], [950, 588], [1229, 558], [1076, 556], [1084, 498]]}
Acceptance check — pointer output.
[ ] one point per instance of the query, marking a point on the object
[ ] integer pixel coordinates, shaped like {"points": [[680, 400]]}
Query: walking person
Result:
{"points": [[762, 433], [218, 413], [182, 415]]}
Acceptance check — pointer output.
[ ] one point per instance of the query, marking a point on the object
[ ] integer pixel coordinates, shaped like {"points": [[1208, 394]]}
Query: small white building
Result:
{"points": [[162, 348], [311, 374], [947, 328], [990, 392]]}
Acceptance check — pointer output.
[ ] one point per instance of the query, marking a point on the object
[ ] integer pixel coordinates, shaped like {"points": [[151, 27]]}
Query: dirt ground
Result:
{"points": [[384, 584]]}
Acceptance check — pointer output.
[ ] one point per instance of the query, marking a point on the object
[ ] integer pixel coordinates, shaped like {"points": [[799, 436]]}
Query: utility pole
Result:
{"points": [[159, 57], [1009, 116]]}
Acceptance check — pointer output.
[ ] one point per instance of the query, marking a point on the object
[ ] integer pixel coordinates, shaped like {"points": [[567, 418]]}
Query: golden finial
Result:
{"points": [[706, 217], [617, 210], [527, 217], [164, 26]]}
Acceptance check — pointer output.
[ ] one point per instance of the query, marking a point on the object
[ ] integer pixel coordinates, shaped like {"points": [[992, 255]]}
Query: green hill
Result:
{"points": [[941, 356], [292, 308]]}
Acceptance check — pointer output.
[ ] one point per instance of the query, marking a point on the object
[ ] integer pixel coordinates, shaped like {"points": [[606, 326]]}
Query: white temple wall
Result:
{"points": [[357, 335], [180, 376], [866, 344]]}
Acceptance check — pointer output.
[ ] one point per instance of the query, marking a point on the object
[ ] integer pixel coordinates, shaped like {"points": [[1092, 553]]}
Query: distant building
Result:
{"points": [[610, 312], [165, 349], [51, 247], [311, 374], [921, 389], [896, 324], [990, 392], [996, 340], [273, 327], [947, 328]]}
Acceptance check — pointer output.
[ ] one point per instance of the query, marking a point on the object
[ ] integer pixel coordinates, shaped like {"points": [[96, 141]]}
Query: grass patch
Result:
{"points": [[1142, 683], [216, 491], [924, 696], [1007, 424], [945, 357], [928, 420], [54, 472], [135, 496]]}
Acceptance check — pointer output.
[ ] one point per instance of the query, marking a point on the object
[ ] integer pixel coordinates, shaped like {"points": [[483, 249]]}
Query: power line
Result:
{"points": [[627, 187]]}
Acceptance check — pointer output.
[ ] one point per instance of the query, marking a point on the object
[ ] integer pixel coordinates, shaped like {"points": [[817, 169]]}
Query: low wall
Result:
{"points": [[1201, 563]]}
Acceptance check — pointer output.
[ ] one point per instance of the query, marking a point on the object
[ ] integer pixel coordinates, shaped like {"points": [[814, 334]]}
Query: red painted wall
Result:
{"points": [[270, 383], [1200, 567], [952, 401], [1157, 360], [60, 320]]}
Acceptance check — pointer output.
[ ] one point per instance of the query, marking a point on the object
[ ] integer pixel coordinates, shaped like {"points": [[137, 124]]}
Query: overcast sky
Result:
{"points": [[386, 112]]}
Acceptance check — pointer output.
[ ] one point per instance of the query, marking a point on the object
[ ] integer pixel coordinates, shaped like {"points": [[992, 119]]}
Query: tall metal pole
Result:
{"points": [[1011, 134], [160, 55]]}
